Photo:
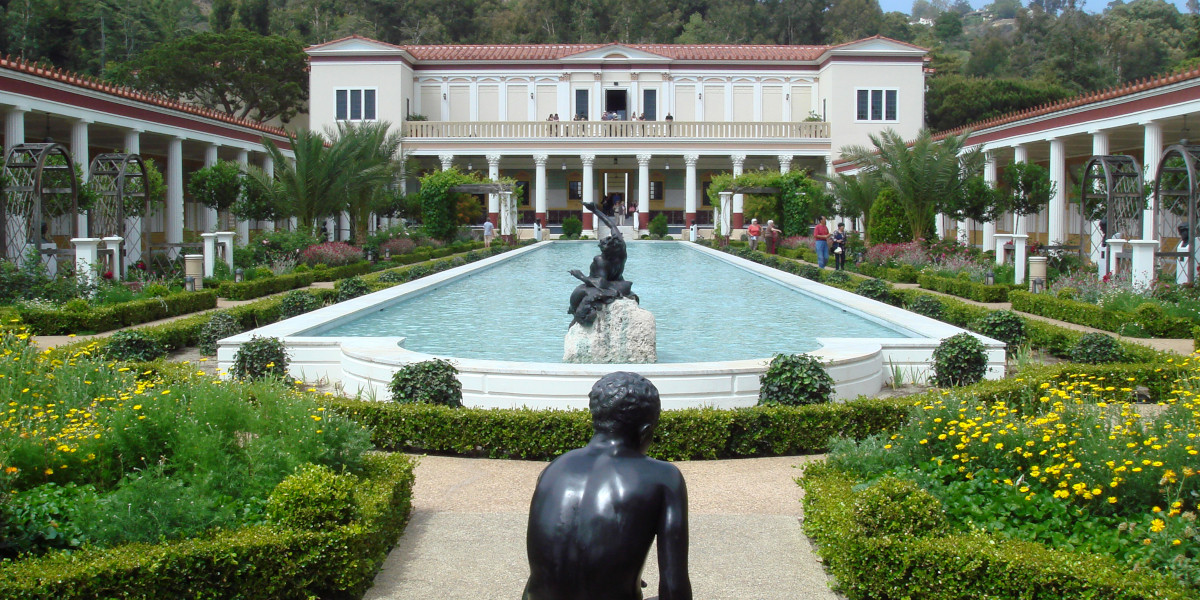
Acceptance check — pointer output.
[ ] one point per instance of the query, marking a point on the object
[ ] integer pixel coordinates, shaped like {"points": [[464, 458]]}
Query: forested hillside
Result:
{"points": [[1005, 57]]}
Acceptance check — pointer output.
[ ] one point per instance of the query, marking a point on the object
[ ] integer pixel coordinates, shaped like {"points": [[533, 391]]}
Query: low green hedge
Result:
{"points": [[342, 272], [115, 316], [262, 562], [964, 288], [249, 290], [900, 274], [957, 566], [1091, 315]]}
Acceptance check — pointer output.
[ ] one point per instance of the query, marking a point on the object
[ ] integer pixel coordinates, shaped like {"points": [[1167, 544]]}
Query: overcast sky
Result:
{"points": [[905, 6]]}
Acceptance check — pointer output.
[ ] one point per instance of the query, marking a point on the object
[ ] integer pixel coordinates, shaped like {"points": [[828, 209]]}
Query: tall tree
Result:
{"points": [[855, 194], [220, 16], [849, 20], [310, 188], [370, 152], [255, 15]]}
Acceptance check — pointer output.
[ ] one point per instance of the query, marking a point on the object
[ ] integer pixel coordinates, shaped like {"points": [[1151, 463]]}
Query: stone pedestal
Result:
{"points": [[112, 247], [1002, 240], [1143, 262], [87, 254], [1019, 258], [1115, 247], [210, 253], [225, 244], [193, 266], [622, 333]]}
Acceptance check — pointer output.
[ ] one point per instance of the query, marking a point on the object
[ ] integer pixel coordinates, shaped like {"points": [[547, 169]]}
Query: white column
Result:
{"points": [[211, 217], [589, 189], [173, 223], [447, 161], [243, 226], [343, 231], [133, 225], [643, 161], [80, 154], [493, 161], [1056, 231], [1021, 225], [1152, 148], [689, 187], [1099, 148], [14, 126], [990, 176], [210, 252], [539, 192], [268, 167], [474, 99], [785, 163], [738, 199]]}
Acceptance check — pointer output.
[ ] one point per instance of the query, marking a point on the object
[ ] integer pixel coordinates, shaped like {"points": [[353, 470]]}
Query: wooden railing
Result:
{"points": [[615, 129]]}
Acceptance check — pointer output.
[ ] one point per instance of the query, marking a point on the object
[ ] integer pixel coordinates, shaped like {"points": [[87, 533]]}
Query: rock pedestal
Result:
{"points": [[622, 333]]}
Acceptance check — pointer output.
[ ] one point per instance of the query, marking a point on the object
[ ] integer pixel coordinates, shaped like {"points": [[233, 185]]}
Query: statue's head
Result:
{"points": [[625, 405]]}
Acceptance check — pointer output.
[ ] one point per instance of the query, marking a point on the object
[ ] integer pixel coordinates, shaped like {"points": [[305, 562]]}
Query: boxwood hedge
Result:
{"points": [[114, 316]]}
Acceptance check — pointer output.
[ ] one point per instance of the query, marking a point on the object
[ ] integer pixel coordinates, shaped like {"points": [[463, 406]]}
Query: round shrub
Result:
{"points": [[77, 305], [352, 287], [837, 278], [889, 221], [658, 226], [219, 327], [1067, 293], [793, 380], [260, 273], [314, 497], [810, 272], [430, 382], [392, 277], [572, 227], [261, 357], [419, 271], [875, 289], [297, 302], [301, 268], [1097, 348], [1003, 325], [959, 360], [898, 508], [156, 290], [133, 345], [929, 306]]}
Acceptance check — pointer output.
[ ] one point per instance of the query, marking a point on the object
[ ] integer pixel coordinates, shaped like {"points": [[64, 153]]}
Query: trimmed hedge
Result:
{"points": [[249, 290], [965, 288], [115, 316], [959, 565], [342, 272], [901, 274], [1091, 315], [252, 563]]}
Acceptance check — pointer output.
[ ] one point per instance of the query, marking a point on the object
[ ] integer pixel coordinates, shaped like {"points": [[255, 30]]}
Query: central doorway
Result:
{"points": [[617, 101]]}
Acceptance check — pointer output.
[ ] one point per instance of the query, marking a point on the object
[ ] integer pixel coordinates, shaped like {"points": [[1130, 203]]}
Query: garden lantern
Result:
{"points": [[239, 275], [990, 278], [189, 283]]}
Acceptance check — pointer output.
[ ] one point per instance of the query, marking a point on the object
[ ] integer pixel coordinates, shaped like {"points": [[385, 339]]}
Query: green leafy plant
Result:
{"points": [[837, 278], [929, 306], [899, 509], [432, 382], [572, 227], [261, 357], [806, 271], [298, 302], [1003, 325], [314, 498], [350, 288], [794, 380], [959, 360], [658, 225], [875, 289], [219, 327], [132, 344], [1097, 348]]}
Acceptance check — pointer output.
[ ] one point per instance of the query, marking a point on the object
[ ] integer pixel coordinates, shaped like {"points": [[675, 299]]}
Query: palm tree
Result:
{"points": [[371, 159], [855, 194], [310, 188], [924, 175]]}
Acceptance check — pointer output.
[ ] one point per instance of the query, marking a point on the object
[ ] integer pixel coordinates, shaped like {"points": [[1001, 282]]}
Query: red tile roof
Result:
{"points": [[86, 82]]}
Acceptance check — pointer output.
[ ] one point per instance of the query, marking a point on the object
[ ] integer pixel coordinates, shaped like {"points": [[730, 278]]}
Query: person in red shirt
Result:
{"points": [[755, 231], [821, 234]]}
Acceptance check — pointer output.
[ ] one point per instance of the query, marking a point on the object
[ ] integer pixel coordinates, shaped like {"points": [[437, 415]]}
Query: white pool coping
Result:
{"points": [[364, 365]]}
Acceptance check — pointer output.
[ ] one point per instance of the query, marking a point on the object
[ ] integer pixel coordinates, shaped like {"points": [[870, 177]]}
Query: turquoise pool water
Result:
{"points": [[705, 309]]}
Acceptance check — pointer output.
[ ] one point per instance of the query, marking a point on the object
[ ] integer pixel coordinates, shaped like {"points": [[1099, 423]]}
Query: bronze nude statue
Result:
{"points": [[597, 509], [604, 282]]}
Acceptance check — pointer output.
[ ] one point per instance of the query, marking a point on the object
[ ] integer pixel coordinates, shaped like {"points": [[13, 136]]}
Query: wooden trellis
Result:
{"points": [[1176, 190], [39, 190], [119, 180], [1112, 203]]}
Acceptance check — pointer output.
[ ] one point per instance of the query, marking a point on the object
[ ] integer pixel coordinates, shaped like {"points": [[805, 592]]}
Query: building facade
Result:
{"points": [[642, 127]]}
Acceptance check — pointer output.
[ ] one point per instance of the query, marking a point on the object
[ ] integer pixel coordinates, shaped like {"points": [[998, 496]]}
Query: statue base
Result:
{"points": [[623, 333]]}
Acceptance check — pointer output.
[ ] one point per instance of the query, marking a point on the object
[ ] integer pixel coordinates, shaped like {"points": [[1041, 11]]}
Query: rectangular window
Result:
{"points": [[650, 104], [523, 200], [355, 104], [581, 103], [656, 189], [876, 105], [575, 190]]}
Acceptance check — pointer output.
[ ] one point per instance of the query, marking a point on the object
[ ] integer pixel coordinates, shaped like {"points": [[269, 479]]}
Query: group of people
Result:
{"points": [[826, 241], [611, 115], [771, 233]]}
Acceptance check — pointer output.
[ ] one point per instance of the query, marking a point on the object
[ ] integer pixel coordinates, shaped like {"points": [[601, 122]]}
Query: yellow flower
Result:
{"points": [[49, 471], [1157, 525], [1112, 499]]}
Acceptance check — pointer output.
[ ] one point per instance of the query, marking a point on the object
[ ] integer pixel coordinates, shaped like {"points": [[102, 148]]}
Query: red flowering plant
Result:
{"points": [[333, 254], [893, 255]]}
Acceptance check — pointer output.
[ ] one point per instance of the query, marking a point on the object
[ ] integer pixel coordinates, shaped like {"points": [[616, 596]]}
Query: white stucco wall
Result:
{"points": [[838, 85], [392, 82]]}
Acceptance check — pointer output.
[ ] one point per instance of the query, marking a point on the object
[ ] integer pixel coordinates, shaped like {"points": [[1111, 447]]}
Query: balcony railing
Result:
{"points": [[615, 129]]}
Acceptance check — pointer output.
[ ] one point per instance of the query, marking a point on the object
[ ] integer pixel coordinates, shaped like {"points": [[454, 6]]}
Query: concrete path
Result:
{"points": [[466, 540]]}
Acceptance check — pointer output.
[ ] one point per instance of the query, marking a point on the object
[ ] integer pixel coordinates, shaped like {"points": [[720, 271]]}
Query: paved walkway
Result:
{"points": [[466, 539]]}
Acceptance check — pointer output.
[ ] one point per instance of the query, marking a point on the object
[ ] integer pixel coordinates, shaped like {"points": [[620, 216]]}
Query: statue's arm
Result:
{"points": [[674, 583], [612, 227]]}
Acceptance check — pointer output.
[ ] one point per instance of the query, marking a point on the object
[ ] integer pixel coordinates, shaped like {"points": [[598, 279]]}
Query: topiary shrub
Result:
{"points": [[837, 278], [959, 360], [1003, 325], [392, 277], [572, 227], [875, 289], [929, 306], [261, 357], [807, 271], [314, 497], [297, 302], [430, 382], [133, 345], [219, 327], [794, 380], [889, 223], [898, 508], [658, 226], [1097, 348], [352, 287]]}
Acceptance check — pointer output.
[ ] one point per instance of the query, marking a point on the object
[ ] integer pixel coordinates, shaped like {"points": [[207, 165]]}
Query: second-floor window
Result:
{"points": [[876, 105], [354, 104]]}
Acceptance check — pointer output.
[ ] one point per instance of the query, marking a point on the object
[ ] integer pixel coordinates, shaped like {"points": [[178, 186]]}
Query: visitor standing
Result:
{"points": [[489, 232], [755, 231], [821, 234], [839, 247], [772, 234]]}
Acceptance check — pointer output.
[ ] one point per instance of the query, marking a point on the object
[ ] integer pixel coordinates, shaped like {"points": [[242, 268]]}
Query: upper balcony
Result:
{"points": [[622, 130]]}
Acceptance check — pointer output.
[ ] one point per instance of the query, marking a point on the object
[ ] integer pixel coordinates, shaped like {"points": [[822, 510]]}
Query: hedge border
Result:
{"points": [[964, 288], [257, 288], [1091, 315], [115, 316], [958, 565], [261, 562]]}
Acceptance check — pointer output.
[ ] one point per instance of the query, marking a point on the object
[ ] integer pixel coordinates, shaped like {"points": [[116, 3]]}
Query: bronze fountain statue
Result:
{"points": [[604, 282]]}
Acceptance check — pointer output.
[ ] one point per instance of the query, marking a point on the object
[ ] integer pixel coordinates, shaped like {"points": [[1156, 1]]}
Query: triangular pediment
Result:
{"points": [[877, 45], [615, 52], [356, 45]]}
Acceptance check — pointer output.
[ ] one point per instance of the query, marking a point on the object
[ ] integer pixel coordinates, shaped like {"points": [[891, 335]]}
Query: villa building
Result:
{"points": [[643, 125]]}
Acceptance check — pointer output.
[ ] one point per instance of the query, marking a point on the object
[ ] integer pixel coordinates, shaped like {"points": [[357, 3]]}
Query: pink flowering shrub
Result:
{"points": [[433, 243], [333, 254], [396, 246], [891, 255], [796, 241]]}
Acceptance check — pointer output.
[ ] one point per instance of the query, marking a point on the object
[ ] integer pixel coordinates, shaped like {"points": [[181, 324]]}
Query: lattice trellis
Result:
{"points": [[119, 180], [41, 188], [1176, 189], [1112, 203]]}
